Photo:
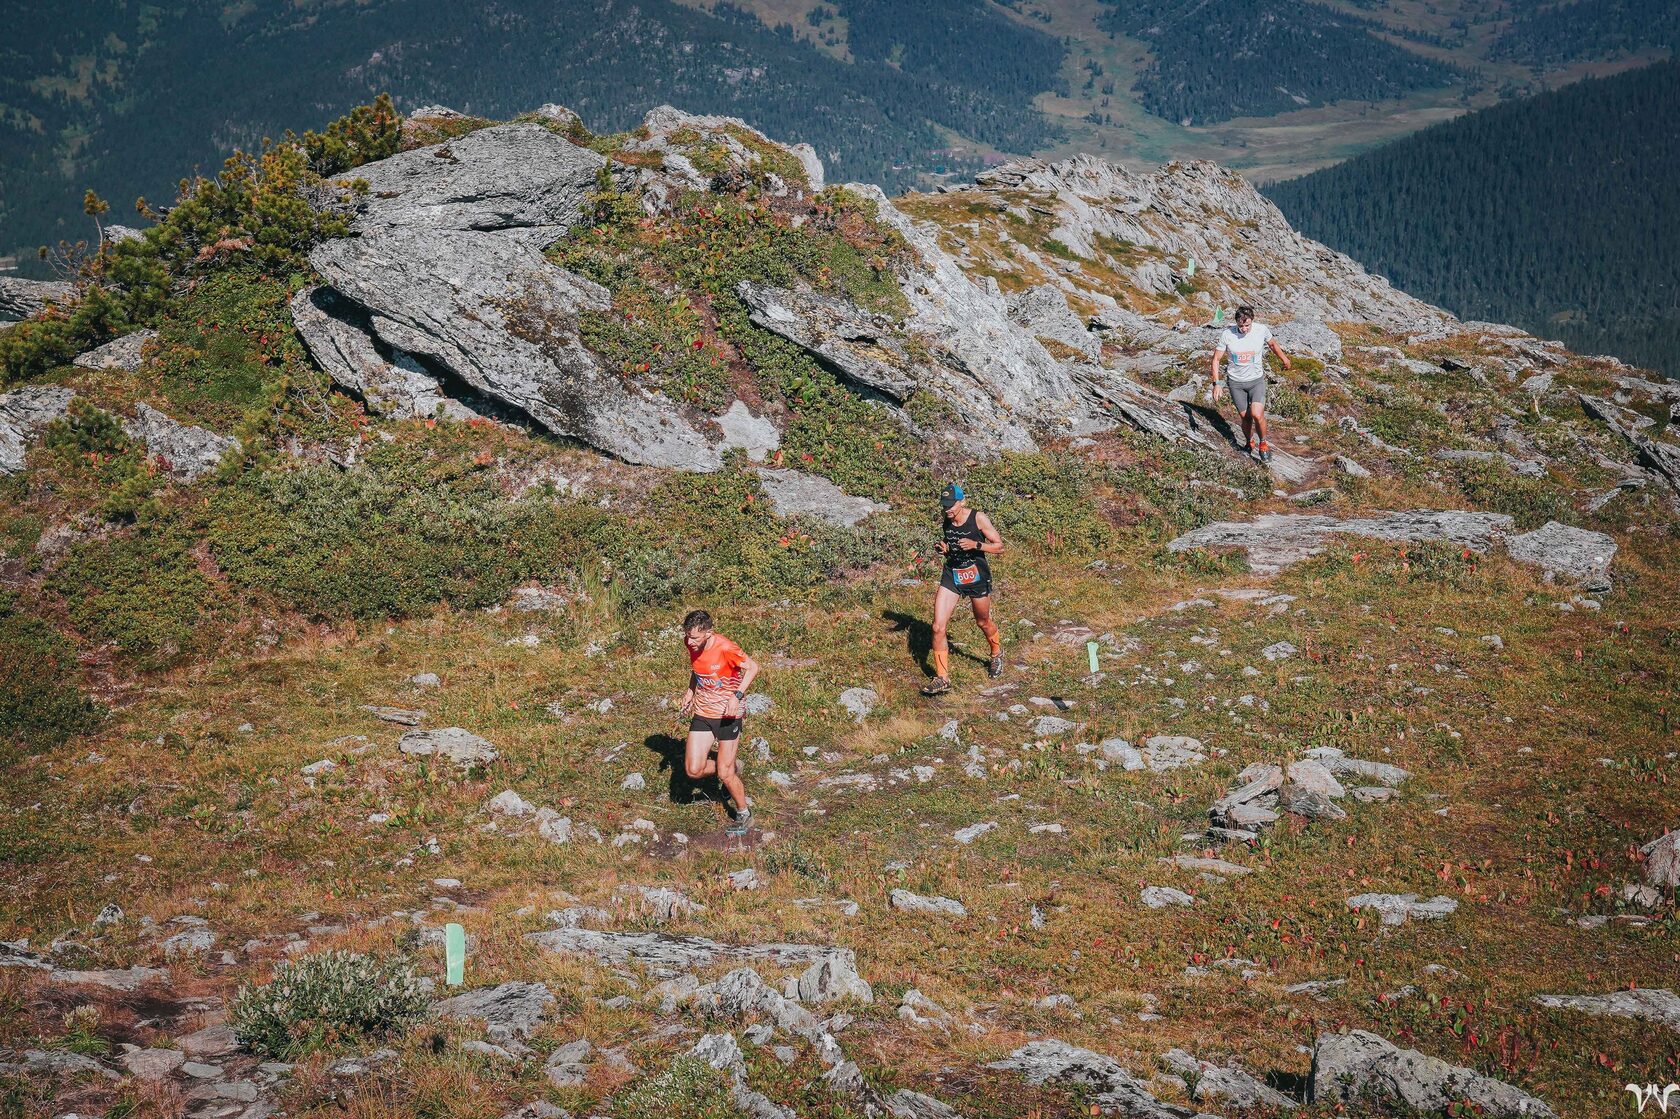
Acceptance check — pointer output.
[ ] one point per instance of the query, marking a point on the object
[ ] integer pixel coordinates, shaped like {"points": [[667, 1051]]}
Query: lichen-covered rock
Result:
{"points": [[190, 452], [1274, 541], [1357, 1065], [1044, 313], [793, 493], [1658, 1005], [23, 413], [1225, 1084], [337, 335], [21, 298], [512, 1009], [459, 746], [1662, 861], [1114, 1090]]}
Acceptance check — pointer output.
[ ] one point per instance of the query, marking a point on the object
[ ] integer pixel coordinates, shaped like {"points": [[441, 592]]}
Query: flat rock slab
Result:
{"points": [[23, 413], [793, 493], [459, 746], [906, 902], [667, 956], [1570, 553], [1278, 540], [21, 298], [1357, 1065], [517, 1008], [1397, 909], [114, 979], [1659, 1005], [119, 353]]}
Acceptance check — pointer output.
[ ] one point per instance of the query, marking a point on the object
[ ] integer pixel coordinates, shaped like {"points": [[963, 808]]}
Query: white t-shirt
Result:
{"points": [[1246, 352]]}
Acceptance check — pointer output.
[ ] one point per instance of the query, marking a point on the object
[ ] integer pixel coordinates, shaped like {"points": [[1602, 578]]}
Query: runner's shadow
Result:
{"points": [[919, 639], [1205, 418], [682, 787]]}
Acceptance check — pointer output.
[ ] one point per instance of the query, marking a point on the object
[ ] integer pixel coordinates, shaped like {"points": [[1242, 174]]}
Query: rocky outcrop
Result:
{"points": [[794, 493], [1663, 459], [337, 334], [447, 272], [1225, 1084], [188, 452], [1277, 540], [1044, 313], [20, 298], [23, 413], [119, 353], [1571, 553], [851, 343], [1356, 1066], [1244, 249]]}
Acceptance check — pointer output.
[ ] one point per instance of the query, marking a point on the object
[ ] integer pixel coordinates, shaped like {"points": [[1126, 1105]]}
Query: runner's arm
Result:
{"points": [[1278, 350], [1218, 357], [993, 544]]}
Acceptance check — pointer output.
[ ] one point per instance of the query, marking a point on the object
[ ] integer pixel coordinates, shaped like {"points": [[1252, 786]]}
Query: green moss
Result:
{"points": [[40, 703], [224, 351], [1048, 502]]}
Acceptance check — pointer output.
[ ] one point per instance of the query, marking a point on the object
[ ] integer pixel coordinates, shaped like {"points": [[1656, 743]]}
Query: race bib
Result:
{"points": [[965, 576]]}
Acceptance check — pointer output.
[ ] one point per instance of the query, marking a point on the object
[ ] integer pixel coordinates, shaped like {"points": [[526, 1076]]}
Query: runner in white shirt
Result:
{"points": [[1245, 346]]}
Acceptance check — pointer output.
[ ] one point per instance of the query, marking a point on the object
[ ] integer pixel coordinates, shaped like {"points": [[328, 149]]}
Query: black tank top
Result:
{"points": [[962, 543]]}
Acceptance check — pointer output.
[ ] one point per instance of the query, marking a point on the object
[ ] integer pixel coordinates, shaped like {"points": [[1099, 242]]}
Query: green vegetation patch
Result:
{"points": [[40, 703], [223, 352], [141, 590], [324, 999]]}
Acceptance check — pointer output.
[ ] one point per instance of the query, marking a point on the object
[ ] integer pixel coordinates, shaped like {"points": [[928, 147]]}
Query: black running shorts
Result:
{"points": [[971, 580], [722, 729]]}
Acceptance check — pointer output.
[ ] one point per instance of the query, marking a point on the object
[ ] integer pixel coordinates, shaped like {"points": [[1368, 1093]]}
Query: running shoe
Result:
{"points": [[741, 825], [994, 667], [1265, 451], [939, 685], [1254, 450]]}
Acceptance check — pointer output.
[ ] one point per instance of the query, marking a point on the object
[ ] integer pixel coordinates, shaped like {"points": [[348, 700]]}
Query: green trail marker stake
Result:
{"points": [[1091, 651], [1191, 267], [455, 954], [1219, 316]]}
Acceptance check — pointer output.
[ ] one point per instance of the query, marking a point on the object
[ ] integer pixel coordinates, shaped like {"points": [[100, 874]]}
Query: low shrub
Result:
{"points": [[41, 705], [141, 590], [689, 1089], [326, 999]]}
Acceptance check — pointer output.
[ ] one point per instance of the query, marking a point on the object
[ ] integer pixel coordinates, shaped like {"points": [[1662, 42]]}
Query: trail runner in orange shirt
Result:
{"points": [[719, 676]]}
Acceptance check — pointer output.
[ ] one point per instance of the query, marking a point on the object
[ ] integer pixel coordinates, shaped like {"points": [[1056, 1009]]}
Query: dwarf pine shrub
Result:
{"points": [[327, 998]]}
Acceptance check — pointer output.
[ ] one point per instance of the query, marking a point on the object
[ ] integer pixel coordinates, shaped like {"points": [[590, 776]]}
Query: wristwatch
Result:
{"points": [[740, 694]]}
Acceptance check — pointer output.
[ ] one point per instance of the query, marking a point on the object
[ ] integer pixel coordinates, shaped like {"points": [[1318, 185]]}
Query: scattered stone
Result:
{"points": [[635, 782], [1373, 794], [661, 903], [834, 977], [1160, 897], [188, 942], [1397, 909], [1226, 1084], [315, 769], [153, 1064], [565, 1066], [1308, 802], [198, 1070], [1659, 1005], [425, 680], [1208, 866], [919, 1010], [110, 915], [1337, 762], [509, 803], [745, 879], [1355, 1066], [756, 704], [402, 716], [23, 413], [858, 702], [1315, 776], [972, 832], [1047, 726], [1281, 651], [459, 746], [555, 828], [907, 902], [211, 1041]]}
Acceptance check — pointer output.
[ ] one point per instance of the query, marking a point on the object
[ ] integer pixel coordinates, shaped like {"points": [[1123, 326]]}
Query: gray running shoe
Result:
{"points": [[1265, 452], [994, 667], [741, 825], [939, 685]]}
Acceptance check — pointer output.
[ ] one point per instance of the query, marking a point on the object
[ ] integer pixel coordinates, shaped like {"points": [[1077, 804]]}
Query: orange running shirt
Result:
{"points": [[717, 673]]}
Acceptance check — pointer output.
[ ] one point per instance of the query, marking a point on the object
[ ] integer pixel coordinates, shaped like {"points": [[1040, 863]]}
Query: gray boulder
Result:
{"points": [[153, 1064], [119, 353], [858, 702], [1397, 909], [510, 1010], [1277, 540], [1339, 763], [795, 493], [190, 452], [1309, 802], [23, 413], [1160, 897], [20, 298], [834, 977], [1113, 1088], [1308, 336], [864, 349], [1359, 1066], [1658, 1005], [906, 902], [1572, 553]]}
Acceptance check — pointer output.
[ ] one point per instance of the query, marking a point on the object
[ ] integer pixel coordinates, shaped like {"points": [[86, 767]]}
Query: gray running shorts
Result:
{"points": [[1247, 393]]}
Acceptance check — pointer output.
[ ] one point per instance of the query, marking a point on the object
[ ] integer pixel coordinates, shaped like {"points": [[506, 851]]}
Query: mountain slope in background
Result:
{"points": [[123, 99], [1555, 213]]}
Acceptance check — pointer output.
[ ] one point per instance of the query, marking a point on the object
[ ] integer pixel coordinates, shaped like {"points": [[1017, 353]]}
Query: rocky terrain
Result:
{"points": [[340, 590]]}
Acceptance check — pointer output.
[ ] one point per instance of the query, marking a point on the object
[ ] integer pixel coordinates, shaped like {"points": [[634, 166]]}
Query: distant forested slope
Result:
{"points": [[1560, 214], [1234, 58], [125, 98], [1558, 34]]}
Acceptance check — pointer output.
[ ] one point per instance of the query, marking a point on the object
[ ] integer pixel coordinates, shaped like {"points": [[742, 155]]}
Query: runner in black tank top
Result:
{"points": [[968, 539]]}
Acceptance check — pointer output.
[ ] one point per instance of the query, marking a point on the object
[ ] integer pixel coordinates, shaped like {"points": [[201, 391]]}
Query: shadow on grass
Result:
{"points": [[918, 637]]}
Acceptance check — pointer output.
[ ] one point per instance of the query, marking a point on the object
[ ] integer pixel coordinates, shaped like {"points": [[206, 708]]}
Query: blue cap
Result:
{"points": [[950, 495]]}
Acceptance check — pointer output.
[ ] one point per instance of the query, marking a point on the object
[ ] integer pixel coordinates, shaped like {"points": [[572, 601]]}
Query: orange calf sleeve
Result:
{"points": [[990, 629], [941, 661]]}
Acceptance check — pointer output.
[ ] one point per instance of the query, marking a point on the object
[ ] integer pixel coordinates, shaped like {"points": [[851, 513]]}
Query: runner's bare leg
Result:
{"points": [[697, 755], [728, 776], [1259, 413], [944, 605], [983, 619]]}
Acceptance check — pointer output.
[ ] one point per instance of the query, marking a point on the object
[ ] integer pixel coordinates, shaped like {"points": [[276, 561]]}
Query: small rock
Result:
{"points": [[459, 746], [1159, 897], [1280, 651], [1048, 725], [402, 716], [907, 902], [153, 1064], [972, 832], [201, 1071], [633, 783], [745, 879], [859, 702], [425, 680], [509, 803]]}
